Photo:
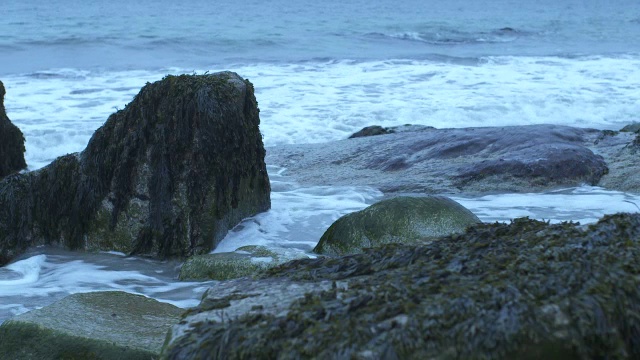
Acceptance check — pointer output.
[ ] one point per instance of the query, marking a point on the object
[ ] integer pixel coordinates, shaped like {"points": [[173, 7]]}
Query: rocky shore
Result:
{"points": [[408, 277]]}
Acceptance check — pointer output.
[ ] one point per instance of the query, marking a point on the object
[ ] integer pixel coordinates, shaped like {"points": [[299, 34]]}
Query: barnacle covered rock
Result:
{"points": [[525, 290]]}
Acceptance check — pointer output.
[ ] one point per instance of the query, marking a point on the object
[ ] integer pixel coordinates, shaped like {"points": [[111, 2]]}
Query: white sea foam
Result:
{"points": [[317, 102], [42, 279], [22, 272], [298, 216], [585, 204]]}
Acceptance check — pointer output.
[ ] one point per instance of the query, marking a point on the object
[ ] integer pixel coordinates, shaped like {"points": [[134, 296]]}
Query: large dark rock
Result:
{"points": [[403, 219], [525, 290], [11, 142], [99, 325], [436, 161], [166, 176]]}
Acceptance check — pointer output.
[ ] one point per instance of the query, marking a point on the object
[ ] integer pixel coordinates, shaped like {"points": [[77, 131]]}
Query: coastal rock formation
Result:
{"points": [[99, 325], [405, 220], [245, 261], [440, 161], [11, 142], [168, 175], [525, 290]]}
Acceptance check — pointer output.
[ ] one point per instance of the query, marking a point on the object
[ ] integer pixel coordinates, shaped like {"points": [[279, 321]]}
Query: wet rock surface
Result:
{"points": [[524, 290], [99, 325], [11, 142], [402, 219], [441, 161], [245, 261], [168, 175]]}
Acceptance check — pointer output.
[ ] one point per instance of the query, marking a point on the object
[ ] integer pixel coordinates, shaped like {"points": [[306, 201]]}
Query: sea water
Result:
{"points": [[321, 70]]}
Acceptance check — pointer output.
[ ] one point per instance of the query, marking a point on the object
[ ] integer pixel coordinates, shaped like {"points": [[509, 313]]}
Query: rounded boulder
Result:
{"points": [[404, 220]]}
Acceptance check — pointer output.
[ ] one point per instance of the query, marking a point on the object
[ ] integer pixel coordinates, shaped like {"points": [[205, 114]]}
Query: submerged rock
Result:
{"points": [[403, 220], [11, 143], [168, 175], [525, 290], [245, 261], [99, 325]]}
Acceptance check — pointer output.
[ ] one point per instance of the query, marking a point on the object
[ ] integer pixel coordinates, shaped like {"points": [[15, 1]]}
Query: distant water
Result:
{"points": [[322, 70]]}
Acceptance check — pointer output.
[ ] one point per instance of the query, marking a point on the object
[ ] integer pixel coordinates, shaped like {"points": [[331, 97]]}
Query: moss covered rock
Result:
{"points": [[168, 175], [398, 220], [245, 261], [11, 142], [525, 290], [99, 325]]}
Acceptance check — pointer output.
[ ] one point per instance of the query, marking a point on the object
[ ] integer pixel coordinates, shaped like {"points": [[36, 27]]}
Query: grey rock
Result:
{"points": [[169, 175], [405, 220], [437, 161], [11, 142], [99, 325]]}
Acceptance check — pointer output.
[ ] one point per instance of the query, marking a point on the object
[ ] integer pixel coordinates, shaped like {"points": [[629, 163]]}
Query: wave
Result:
{"points": [[443, 36]]}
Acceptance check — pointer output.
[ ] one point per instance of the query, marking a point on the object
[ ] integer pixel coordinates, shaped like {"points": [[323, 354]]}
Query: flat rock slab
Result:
{"points": [[468, 160], [98, 325]]}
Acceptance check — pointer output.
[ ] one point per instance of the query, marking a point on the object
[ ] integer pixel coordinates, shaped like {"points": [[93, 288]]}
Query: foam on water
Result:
{"points": [[39, 280], [298, 216], [316, 102]]}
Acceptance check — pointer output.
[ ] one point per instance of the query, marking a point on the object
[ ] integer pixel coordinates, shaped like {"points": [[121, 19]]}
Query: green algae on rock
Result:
{"points": [[401, 219], [11, 142], [245, 261], [168, 175], [499, 291], [99, 325]]}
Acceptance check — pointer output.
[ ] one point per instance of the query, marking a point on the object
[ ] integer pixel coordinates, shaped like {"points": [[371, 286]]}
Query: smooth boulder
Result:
{"points": [[99, 325], [168, 175], [406, 220], [11, 142], [525, 290]]}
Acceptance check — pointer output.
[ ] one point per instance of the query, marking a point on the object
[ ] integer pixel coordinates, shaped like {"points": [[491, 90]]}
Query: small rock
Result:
{"points": [[245, 261]]}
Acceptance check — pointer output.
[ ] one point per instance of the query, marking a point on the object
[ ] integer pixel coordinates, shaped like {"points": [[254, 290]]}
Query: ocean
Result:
{"points": [[322, 70]]}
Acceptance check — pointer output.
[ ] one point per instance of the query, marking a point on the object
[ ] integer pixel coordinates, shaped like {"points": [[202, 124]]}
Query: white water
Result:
{"points": [[59, 110]]}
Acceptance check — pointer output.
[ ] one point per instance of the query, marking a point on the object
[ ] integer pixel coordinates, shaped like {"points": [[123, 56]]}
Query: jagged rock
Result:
{"points": [[525, 290], [438, 161], [405, 220], [166, 176], [98, 325], [11, 142], [245, 261]]}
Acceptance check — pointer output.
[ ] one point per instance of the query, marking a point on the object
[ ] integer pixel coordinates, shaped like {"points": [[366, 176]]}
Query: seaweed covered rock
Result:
{"points": [[245, 261], [398, 220], [168, 175], [99, 325], [11, 142], [525, 290]]}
